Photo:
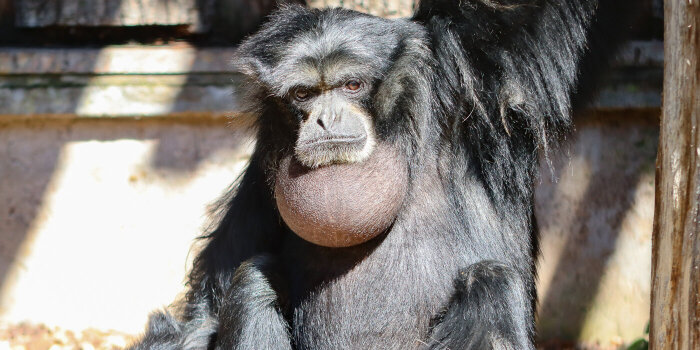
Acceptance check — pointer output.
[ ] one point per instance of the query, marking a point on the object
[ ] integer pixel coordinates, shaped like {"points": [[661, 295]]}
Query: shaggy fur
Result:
{"points": [[472, 91]]}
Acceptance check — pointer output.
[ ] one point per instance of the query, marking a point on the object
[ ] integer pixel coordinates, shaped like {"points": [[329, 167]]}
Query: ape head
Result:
{"points": [[316, 82]]}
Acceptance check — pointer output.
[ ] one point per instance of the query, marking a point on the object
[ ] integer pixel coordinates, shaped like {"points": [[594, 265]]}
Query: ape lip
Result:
{"points": [[341, 140]]}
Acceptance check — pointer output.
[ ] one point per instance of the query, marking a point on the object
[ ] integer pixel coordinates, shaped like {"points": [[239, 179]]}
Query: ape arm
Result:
{"points": [[249, 227], [487, 311], [248, 317], [530, 55], [229, 265], [511, 69]]}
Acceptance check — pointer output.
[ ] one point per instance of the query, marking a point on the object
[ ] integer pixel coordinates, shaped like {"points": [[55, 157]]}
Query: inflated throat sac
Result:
{"points": [[342, 205]]}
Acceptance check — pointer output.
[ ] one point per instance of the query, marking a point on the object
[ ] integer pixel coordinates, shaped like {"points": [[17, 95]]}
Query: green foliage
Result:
{"points": [[641, 343]]}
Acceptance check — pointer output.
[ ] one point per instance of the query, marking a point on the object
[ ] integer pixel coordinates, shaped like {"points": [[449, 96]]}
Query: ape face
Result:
{"points": [[338, 182], [333, 125]]}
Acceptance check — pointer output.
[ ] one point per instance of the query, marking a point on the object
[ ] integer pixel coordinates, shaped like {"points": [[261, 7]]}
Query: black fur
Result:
{"points": [[472, 91]]}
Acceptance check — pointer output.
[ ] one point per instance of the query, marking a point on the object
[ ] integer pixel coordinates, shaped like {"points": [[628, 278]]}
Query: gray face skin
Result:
{"points": [[329, 79], [334, 128], [327, 82]]}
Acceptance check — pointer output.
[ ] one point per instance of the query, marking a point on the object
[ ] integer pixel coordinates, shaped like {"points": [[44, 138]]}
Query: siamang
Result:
{"points": [[388, 203]]}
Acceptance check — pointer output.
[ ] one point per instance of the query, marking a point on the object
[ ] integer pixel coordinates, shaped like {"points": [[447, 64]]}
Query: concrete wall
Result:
{"points": [[596, 222], [100, 205], [98, 216]]}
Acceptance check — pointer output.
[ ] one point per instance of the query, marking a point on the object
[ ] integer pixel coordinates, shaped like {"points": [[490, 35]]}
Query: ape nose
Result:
{"points": [[326, 120]]}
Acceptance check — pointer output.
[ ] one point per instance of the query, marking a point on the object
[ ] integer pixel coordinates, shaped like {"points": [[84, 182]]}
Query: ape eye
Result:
{"points": [[353, 85], [302, 94]]}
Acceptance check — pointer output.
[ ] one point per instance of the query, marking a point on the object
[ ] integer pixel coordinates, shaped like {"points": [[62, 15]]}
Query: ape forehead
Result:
{"points": [[324, 47], [337, 48], [330, 68], [360, 42]]}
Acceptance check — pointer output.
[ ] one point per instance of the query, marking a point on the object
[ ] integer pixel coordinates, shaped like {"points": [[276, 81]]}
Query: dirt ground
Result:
{"points": [[40, 337]]}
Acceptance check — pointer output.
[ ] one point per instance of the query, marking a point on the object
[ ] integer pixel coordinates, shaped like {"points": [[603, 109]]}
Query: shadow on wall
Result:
{"points": [[93, 218], [87, 201], [595, 225]]}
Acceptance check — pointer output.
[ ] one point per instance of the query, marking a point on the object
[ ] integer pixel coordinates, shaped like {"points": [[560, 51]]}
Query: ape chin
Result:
{"points": [[343, 204], [389, 201]]}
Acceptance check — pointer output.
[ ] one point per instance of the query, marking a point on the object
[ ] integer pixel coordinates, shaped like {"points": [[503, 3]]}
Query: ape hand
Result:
{"points": [[249, 316]]}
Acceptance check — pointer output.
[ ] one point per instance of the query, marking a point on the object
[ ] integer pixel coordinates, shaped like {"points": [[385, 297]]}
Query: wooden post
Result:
{"points": [[675, 298]]}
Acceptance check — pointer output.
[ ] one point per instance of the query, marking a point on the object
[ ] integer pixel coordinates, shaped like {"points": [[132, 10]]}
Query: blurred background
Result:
{"points": [[117, 135]]}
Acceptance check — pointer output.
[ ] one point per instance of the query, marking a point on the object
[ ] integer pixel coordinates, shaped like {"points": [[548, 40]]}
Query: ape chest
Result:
{"points": [[373, 303], [361, 319]]}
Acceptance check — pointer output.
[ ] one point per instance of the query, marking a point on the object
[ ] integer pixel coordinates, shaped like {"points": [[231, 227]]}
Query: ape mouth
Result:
{"points": [[335, 140], [333, 149]]}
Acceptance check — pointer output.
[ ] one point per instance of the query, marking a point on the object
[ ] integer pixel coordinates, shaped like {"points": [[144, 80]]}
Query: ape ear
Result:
{"points": [[252, 59], [257, 54], [249, 89], [247, 61]]}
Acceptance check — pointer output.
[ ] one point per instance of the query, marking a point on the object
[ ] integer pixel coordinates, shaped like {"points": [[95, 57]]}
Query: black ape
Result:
{"points": [[389, 200]]}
